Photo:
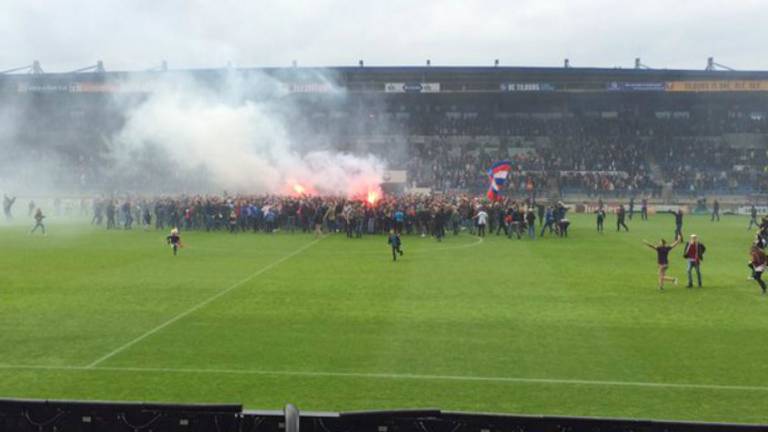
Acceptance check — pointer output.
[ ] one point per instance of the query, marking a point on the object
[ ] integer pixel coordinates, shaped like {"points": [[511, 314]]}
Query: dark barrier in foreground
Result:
{"points": [[61, 416]]}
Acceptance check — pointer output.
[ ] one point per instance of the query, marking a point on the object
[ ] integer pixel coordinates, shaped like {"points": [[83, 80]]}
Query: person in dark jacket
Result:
{"points": [[715, 211], [752, 217], [38, 222], [394, 241], [678, 223], [621, 215], [530, 222], [694, 254], [548, 221], [600, 220], [757, 262], [8, 206], [174, 240]]}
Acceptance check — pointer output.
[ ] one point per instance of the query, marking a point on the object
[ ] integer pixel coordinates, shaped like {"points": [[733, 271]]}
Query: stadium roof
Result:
{"points": [[446, 78]]}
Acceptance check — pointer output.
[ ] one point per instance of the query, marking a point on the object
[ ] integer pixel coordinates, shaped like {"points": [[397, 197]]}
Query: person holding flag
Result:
{"points": [[497, 175]]}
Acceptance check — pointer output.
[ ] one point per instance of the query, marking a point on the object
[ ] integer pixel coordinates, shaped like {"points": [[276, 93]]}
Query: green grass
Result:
{"points": [[568, 327]]}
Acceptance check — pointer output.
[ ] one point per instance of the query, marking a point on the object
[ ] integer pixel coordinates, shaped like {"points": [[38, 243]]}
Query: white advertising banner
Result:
{"points": [[412, 87]]}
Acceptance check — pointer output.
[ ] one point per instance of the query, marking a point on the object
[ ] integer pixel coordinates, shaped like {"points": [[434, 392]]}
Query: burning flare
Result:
{"points": [[373, 196]]}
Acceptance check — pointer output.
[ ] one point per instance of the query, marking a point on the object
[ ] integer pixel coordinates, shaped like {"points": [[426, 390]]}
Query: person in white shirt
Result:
{"points": [[482, 221]]}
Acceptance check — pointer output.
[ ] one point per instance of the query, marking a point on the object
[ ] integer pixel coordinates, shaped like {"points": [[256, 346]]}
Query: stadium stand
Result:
{"points": [[571, 132]]}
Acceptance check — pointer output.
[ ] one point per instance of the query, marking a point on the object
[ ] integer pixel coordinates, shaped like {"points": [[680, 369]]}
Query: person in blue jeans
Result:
{"points": [[549, 221], [394, 242], [530, 220], [694, 254]]}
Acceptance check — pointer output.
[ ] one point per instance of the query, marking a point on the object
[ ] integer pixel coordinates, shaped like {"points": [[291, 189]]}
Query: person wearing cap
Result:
{"points": [[694, 254]]}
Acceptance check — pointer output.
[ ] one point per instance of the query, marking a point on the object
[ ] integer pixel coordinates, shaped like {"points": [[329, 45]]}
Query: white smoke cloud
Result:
{"points": [[227, 142]]}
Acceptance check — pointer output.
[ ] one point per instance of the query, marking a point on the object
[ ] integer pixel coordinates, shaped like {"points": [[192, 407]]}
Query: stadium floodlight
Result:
{"points": [[639, 64], [34, 69], [713, 66], [98, 67]]}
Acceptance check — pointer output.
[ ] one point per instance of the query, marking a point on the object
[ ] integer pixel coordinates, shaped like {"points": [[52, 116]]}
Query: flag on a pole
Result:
{"points": [[497, 175]]}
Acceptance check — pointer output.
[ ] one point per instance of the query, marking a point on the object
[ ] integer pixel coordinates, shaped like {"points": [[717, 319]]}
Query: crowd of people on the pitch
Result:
{"points": [[425, 215]]}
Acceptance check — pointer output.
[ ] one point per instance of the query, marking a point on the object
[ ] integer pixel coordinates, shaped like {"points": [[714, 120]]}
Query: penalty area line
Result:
{"points": [[393, 376], [200, 305]]}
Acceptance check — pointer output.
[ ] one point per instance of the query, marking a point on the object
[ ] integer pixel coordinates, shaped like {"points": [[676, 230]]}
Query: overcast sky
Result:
{"points": [[137, 34]]}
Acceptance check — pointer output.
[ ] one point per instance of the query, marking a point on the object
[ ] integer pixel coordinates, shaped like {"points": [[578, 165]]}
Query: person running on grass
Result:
{"points": [[174, 240], [757, 262], [662, 259], [394, 241], [38, 222]]}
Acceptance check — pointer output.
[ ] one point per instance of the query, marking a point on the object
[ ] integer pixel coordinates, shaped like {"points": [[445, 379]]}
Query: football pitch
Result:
{"points": [[554, 326]]}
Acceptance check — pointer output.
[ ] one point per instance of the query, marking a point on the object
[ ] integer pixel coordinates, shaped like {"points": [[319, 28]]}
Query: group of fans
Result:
{"points": [[693, 251], [433, 215]]}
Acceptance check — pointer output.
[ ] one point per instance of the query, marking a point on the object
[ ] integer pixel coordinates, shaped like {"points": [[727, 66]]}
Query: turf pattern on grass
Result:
{"points": [[554, 326]]}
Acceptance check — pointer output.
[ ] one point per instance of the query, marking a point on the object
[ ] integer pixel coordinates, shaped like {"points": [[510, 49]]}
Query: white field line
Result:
{"points": [[393, 376], [199, 305]]}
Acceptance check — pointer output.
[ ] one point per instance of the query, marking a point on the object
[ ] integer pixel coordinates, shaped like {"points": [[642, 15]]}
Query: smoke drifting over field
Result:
{"points": [[177, 133], [212, 140]]}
